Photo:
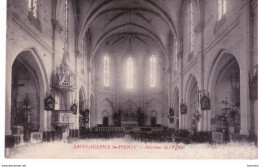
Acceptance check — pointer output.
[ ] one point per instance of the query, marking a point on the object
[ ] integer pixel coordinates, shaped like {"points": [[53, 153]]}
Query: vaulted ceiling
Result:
{"points": [[128, 24]]}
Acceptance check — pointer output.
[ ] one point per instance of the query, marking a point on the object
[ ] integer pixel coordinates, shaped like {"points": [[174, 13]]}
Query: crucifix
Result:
{"points": [[27, 112], [27, 108], [225, 102]]}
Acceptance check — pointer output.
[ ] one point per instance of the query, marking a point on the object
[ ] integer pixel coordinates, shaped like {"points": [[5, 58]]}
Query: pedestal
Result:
{"points": [[35, 137]]}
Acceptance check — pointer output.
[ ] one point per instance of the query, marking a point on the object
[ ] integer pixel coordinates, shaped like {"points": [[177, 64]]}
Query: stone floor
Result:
{"points": [[127, 148]]}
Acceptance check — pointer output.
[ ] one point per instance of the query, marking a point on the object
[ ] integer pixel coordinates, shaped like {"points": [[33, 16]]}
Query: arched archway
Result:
{"points": [[82, 107], [82, 100], [105, 117], [28, 92], [224, 88], [192, 103], [153, 116]]}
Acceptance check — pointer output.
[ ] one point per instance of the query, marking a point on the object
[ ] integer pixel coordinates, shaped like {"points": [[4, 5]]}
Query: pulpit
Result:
{"points": [[62, 120], [63, 86]]}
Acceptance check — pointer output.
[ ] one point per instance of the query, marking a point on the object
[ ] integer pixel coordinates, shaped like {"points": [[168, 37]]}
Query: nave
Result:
{"points": [[182, 71]]}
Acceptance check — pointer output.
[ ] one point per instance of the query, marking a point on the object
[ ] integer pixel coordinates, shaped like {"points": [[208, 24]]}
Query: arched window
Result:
{"points": [[32, 7], [176, 56], [222, 7], [130, 73], [106, 71], [191, 26], [152, 71]]}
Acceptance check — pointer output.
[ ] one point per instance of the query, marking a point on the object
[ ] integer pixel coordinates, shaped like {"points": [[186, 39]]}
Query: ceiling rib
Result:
{"points": [[127, 34], [162, 15], [107, 35]]}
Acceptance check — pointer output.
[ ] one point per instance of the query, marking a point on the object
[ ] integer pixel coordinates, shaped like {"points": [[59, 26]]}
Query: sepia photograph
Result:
{"points": [[131, 79]]}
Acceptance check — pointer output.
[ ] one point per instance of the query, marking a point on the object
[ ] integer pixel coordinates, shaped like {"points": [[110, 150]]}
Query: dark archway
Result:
{"points": [[153, 118], [224, 87], [27, 94], [82, 100], [192, 104], [105, 117], [82, 108]]}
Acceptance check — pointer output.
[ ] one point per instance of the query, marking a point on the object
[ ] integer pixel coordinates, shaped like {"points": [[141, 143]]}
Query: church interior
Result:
{"points": [[168, 70]]}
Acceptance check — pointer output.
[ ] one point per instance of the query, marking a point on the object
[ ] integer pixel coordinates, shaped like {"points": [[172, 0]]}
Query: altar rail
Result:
{"points": [[155, 129], [109, 129], [122, 129]]}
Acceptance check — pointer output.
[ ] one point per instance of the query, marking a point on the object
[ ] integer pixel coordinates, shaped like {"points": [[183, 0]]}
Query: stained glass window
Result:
{"points": [[129, 83], [222, 7], [32, 7], [106, 71], [152, 71]]}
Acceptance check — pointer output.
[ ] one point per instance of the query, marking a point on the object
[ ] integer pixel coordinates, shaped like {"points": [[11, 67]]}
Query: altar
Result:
{"points": [[129, 125]]}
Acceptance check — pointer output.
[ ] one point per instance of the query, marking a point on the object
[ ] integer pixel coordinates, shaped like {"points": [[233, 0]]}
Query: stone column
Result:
{"points": [[49, 120], [207, 120], [43, 115], [76, 122], [244, 68], [8, 90], [180, 121], [185, 121], [9, 62], [256, 117]]}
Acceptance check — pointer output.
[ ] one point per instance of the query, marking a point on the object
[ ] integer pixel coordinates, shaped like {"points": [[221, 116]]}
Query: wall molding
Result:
{"points": [[191, 63], [83, 79]]}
